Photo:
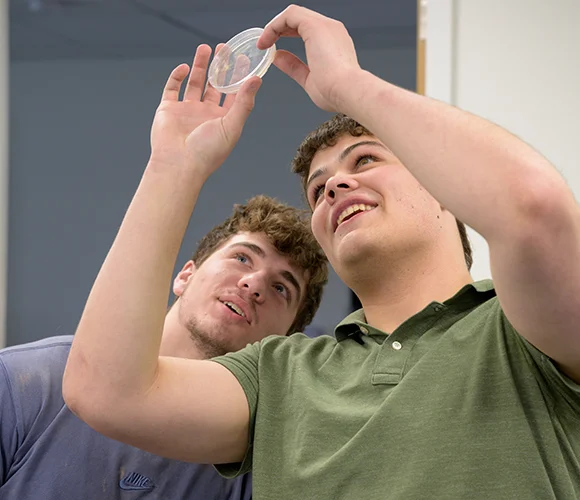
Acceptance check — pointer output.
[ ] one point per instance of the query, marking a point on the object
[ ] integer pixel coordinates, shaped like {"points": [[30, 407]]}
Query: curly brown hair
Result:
{"points": [[288, 229], [327, 135]]}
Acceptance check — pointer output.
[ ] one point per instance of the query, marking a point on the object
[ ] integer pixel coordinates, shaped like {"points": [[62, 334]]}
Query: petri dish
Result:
{"points": [[238, 60]]}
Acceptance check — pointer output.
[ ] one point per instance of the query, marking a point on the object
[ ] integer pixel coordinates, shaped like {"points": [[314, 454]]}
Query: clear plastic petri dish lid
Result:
{"points": [[238, 60]]}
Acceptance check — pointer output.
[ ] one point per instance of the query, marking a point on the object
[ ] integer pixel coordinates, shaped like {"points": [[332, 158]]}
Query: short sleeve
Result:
{"points": [[244, 366], [562, 390]]}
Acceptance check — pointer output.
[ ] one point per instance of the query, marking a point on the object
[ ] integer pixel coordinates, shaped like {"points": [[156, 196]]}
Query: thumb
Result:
{"points": [[237, 115]]}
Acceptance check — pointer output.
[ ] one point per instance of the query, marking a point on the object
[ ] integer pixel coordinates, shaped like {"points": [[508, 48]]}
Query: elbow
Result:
{"points": [[82, 396], [97, 401], [73, 381], [77, 395], [77, 404], [544, 206], [96, 411]]}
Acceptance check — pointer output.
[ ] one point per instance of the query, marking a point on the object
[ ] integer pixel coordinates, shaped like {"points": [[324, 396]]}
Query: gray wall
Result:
{"points": [[79, 143]]}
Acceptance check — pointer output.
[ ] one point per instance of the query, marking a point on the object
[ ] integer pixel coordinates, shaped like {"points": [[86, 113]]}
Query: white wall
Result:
{"points": [[516, 63], [79, 143]]}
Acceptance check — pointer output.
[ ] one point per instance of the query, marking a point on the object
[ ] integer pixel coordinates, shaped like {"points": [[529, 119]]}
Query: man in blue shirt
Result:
{"points": [[258, 273]]}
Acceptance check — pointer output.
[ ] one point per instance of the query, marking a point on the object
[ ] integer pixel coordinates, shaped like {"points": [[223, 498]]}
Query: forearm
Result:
{"points": [[480, 172], [116, 346]]}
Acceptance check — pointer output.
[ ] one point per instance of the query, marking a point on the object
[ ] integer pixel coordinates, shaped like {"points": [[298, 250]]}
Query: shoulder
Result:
{"points": [[50, 346], [31, 384], [288, 350], [297, 342], [47, 357], [31, 375], [277, 353]]}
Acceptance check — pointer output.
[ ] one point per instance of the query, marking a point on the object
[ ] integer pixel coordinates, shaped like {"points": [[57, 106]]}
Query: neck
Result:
{"points": [[398, 292], [180, 345], [176, 341]]}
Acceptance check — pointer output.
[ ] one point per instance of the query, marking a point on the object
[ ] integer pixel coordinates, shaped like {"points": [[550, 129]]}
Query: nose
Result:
{"points": [[339, 183], [254, 285]]}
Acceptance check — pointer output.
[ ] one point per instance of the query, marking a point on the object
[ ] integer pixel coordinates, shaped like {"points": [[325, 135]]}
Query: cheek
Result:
{"points": [[318, 224], [421, 200], [215, 273], [204, 283]]}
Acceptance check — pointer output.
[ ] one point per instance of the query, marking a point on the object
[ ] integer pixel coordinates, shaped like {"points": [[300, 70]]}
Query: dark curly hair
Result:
{"points": [[288, 229], [327, 135]]}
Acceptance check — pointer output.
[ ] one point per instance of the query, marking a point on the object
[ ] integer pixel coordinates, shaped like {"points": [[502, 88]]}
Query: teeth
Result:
{"points": [[235, 308], [359, 207]]}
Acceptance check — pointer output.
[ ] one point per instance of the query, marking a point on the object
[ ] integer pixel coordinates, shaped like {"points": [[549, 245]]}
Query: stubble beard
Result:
{"points": [[205, 343]]}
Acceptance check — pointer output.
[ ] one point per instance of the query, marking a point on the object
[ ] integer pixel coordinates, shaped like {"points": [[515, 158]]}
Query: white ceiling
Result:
{"points": [[57, 29]]}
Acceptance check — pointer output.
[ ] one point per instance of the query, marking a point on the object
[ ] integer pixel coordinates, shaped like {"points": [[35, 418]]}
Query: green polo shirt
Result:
{"points": [[453, 404]]}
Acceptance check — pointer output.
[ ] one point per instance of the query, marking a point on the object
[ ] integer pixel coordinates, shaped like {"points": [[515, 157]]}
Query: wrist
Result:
{"points": [[359, 89], [178, 171]]}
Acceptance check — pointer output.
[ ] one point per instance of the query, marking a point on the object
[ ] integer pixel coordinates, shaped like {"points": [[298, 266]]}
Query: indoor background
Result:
{"points": [[84, 79]]}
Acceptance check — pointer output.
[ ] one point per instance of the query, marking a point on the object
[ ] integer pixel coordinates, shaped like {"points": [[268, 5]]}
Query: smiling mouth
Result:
{"points": [[351, 211], [234, 308]]}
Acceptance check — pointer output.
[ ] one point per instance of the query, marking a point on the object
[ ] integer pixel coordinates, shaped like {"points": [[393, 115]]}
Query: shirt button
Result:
{"points": [[364, 330], [396, 345], [437, 308]]}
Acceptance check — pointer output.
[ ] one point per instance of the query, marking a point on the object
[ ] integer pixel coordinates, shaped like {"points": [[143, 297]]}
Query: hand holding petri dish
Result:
{"points": [[238, 60]]}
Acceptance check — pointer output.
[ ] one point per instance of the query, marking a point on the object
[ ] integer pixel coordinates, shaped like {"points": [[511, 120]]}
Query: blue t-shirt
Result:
{"points": [[47, 453]]}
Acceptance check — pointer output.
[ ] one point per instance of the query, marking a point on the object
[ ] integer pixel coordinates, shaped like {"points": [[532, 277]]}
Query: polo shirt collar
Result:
{"points": [[470, 295]]}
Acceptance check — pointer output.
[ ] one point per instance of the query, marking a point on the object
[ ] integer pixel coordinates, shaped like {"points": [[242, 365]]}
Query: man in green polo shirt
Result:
{"points": [[439, 388]]}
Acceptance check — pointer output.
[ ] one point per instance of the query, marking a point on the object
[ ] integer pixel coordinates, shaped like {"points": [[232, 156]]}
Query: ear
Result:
{"points": [[182, 279]]}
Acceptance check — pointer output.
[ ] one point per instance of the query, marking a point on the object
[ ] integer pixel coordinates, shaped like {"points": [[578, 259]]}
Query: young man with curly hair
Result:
{"points": [[439, 387], [47, 452]]}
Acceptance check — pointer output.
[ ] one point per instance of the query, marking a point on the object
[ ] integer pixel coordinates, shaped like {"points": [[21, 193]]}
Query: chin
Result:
{"points": [[355, 246], [358, 256]]}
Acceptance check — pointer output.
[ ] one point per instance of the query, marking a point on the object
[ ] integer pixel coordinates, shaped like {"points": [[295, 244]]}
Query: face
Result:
{"points": [[240, 294], [366, 204]]}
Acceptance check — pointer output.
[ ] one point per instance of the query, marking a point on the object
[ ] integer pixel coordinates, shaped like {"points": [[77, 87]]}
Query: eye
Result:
{"points": [[241, 257], [363, 160], [282, 290], [317, 192]]}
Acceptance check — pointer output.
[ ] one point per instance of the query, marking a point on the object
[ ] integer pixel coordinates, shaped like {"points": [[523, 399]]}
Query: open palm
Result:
{"points": [[197, 132]]}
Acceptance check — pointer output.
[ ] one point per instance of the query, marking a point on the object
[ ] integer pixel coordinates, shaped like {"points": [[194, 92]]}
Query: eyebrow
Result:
{"points": [[348, 150], [287, 275], [250, 246]]}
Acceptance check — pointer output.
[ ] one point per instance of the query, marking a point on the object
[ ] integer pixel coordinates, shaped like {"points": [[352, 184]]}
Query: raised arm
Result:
{"points": [[114, 379], [485, 176]]}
